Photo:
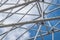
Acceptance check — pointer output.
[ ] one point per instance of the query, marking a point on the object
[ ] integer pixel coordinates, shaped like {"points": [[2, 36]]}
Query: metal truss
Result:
{"points": [[41, 19]]}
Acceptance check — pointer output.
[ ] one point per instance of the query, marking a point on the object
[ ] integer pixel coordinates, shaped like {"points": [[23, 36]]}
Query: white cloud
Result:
{"points": [[14, 34]]}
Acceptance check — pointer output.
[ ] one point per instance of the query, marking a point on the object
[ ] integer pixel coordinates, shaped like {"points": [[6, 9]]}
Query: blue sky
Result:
{"points": [[52, 14]]}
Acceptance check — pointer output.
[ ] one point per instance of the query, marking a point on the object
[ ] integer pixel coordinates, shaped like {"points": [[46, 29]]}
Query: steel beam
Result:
{"points": [[26, 4], [45, 34], [29, 22]]}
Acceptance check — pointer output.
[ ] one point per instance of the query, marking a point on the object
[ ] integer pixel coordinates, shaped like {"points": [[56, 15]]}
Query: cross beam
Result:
{"points": [[29, 22]]}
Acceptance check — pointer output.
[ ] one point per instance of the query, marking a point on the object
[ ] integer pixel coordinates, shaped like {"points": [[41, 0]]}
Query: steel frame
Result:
{"points": [[39, 21]]}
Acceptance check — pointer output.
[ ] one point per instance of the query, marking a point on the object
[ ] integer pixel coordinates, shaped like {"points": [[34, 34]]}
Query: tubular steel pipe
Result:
{"points": [[28, 22]]}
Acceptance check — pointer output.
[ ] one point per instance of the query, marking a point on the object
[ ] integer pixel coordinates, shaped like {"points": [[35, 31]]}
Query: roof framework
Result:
{"points": [[40, 20]]}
